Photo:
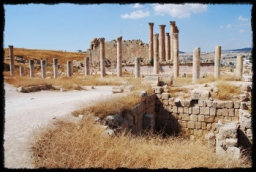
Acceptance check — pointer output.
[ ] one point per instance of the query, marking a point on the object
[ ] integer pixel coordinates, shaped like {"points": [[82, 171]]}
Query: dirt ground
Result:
{"points": [[25, 112]]}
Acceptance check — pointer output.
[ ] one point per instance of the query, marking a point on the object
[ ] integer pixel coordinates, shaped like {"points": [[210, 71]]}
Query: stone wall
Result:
{"points": [[200, 115]]}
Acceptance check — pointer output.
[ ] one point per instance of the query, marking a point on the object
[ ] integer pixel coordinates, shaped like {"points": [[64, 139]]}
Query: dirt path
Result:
{"points": [[25, 112]]}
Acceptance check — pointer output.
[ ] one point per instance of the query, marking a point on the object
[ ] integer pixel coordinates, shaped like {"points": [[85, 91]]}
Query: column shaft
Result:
{"points": [[102, 57], [69, 68], [217, 61], [175, 57], [239, 67], [137, 67], [167, 44], [156, 54], [21, 71], [162, 43], [11, 60], [86, 66], [150, 48], [196, 65], [43, 68], [31, 68], [172, 23], [55, 67], [119, 56]]}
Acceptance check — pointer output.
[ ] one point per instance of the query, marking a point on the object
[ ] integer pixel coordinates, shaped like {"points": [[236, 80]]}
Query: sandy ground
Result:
{"points": [[26, 112]]}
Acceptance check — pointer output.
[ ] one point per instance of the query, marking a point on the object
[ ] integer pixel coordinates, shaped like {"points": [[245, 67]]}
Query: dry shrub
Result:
{"points": [[109, 105], [81, 145], [226, 91]]}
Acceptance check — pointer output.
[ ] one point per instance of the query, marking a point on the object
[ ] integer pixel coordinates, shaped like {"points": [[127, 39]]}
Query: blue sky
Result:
{"points": [[71, 27]]}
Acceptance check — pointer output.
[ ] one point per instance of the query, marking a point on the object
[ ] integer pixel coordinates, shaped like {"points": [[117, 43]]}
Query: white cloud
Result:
{"points": [[135, 14], [137, 5], [179, 11], [241, 31], [242, 18], [228, 26]]}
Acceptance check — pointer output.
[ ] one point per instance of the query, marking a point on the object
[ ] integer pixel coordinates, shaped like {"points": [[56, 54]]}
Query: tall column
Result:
{"points": [[69, 68], [86, 66], [11, 60], [175, 56], [239, 67], [167, 44], [162, 43], [43, 68], [137, 67], [150, 48], [21, 71], [196, 65], [217, 61], [102, 57], [156, 54], [119, 56], [31, 68], [55, 67], [89, 54], [172, 24]]}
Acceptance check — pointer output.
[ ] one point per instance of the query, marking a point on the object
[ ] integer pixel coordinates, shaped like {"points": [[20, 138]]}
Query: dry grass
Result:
{"points": [[177, 82], [226, 91], [110, 106], [49, 54], [179, 92], [81, 145]]}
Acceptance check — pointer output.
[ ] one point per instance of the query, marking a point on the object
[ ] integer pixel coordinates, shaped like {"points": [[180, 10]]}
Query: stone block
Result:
{"points": [[180, 110], [165, 102], [191, 124], [185, 110], [175, 109], [183, 123], [204, 110], [158, 90], [201, 118], [201, 103], [219, 112], [193, 117], [185, 117], [237, 111], [195, 110], [249, 133], [214, 126], [229, 104], [117, 90], [203, 125], [190, 110], [165, 96], [200, 94], [234, 152], [198, 132], [171, 101], [245, 119], [231, 112], [231, 142], [213, 111], [152, 80], [228, 131], [220, 104], [209, 119], [208, 126], [237, 104], [234, 118], [185, 103], [209, 103], [224, 112], [214, 104], [198, 125]]}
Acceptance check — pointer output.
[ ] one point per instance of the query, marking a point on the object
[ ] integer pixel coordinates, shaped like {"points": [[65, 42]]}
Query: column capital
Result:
{"points": [[10, 46], [151, 24], [156, 34], [167, 33], [101, 40], [172, 23], [162, 26], [119, 38]]}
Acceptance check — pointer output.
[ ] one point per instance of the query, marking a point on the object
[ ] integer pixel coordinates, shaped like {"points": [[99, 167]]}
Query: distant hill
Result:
{"points": [[181, 52], [242, 49]]}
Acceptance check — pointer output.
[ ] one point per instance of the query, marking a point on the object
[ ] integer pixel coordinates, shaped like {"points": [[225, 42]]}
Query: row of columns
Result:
{"points": [[165, 48]]}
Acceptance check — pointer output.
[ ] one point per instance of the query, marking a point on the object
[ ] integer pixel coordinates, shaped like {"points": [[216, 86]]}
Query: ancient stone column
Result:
{"points": [[31, 68], [55, 67], [239, 67], [172, 25], [43, 68], [11, 60], [175, 56], [21, 71], [102, 57], [156, 54], [119, 56], [89, 54], [162, 43], [69, 68], [167, 44], [196, 65], [150, 48], [86, 66], [217, 61], [137, 67]]}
